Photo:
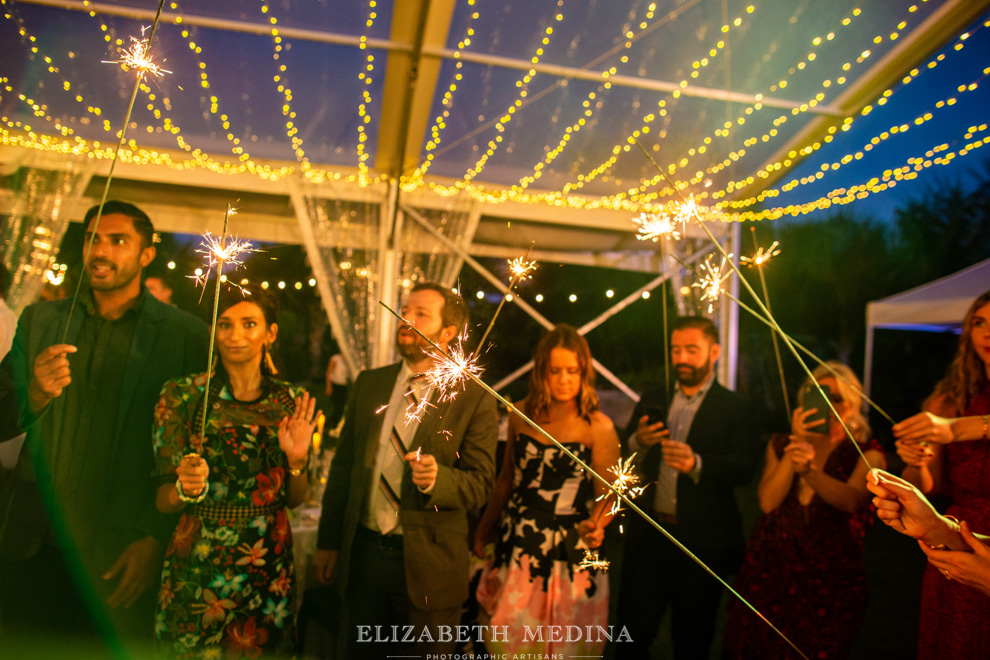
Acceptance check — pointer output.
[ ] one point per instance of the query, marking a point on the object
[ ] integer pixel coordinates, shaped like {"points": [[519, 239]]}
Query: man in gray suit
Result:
{"points": [[393, 534]]}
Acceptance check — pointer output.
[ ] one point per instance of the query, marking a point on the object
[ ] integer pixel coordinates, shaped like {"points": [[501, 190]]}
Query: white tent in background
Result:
{"points": [[937, 306]]}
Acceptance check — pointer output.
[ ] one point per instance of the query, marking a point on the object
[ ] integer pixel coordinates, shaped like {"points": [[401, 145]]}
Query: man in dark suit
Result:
{"points": [[693, 451], [80, 537], [393, 533]]}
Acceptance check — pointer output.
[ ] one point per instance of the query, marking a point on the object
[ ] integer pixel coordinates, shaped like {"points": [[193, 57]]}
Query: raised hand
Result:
{"points": [[295, 431]]}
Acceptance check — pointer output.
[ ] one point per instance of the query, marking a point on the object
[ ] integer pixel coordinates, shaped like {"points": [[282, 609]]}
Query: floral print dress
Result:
{"points": [[534, 585], [228, 585]]}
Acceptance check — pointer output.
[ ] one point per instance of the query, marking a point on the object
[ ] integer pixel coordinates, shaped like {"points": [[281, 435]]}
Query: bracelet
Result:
{"points": [[191, 500], [295, 472], [986, 427]]}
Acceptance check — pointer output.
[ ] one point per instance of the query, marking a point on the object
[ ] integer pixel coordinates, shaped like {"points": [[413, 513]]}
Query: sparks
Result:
{"points": [[137, 57], [451, 370], [217, 250], [415, 411], [762, 256], [654, 226], [626, 483], [592, 562], [521, 269], [711, 281]]}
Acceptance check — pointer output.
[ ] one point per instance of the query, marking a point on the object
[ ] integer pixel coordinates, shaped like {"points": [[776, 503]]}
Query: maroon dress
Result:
{"points": [[955, 619], [803, 571]]}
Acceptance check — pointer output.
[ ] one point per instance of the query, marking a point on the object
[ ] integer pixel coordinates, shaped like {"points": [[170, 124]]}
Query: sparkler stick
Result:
{"points": [[520, 269], [814, 357], [605, 482], [801, 347], [221, 256], [141, 70], [663, 306], [758, 260], [656, 227], [769, 316]]}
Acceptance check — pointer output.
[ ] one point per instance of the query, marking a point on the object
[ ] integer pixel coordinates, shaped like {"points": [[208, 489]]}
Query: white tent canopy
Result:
{"points": [[937, 306]]}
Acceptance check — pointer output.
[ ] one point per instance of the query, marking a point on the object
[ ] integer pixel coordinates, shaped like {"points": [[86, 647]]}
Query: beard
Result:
{"points": [[693, 376], [417, 350], [120, 276]]}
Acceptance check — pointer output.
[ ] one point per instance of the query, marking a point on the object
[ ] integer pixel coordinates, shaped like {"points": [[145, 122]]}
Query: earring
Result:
{"points": [[268, 361]]}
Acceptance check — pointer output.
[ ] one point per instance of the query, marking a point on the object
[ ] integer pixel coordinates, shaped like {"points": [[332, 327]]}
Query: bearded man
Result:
{"points": [[695, 450], [393, 531]]}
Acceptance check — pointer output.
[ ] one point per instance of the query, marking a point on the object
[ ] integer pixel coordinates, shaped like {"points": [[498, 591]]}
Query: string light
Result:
{"points": [[25, 134]]}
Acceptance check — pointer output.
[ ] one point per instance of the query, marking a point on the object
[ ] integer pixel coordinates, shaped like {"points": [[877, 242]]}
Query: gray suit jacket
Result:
{"points": [[462, 435]]}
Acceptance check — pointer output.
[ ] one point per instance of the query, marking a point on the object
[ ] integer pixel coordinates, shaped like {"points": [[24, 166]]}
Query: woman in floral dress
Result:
{"points": [[228, 584], [535, 580]]}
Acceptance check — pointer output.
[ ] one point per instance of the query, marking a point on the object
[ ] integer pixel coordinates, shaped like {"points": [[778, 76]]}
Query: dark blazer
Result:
{"points": [[725, 434], [167, 343], [462, 435]]}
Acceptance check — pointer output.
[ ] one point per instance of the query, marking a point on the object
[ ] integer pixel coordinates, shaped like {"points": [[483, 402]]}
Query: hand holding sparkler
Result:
{"points": [[49, 376], [901, 506], [295, 431], [591, 533], [192, 473], [926, 427], [424, 469]]}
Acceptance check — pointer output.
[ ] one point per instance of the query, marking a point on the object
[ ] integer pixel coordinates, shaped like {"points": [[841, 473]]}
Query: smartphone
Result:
{"points": [[812, 398], [655, 413]]}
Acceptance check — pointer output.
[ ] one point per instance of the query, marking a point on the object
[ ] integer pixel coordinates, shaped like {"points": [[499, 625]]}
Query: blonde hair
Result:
{"points": [[850, 389]]}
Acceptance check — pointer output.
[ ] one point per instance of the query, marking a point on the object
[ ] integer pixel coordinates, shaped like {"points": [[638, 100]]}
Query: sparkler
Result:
{"points": [[758, 260], [450, 370], [625, 498], [814, 357], [219, 253], [592, 562], [217, 250], [654, 226], [137, 57], [626, 483], [521, 269], [113, 163], [761, 256], [711, 280], [769, 317]]}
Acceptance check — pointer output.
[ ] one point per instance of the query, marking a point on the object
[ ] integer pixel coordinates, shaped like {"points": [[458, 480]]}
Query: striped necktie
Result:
{"points": [[389, 490]]}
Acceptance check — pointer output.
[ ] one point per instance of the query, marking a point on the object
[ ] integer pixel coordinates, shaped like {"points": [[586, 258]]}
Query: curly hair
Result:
{"points": [[967, 374], [538, 400]]}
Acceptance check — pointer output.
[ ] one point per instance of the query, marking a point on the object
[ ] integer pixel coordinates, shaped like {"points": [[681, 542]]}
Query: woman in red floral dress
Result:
{"points": [[228, 585], [954, 621]]}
